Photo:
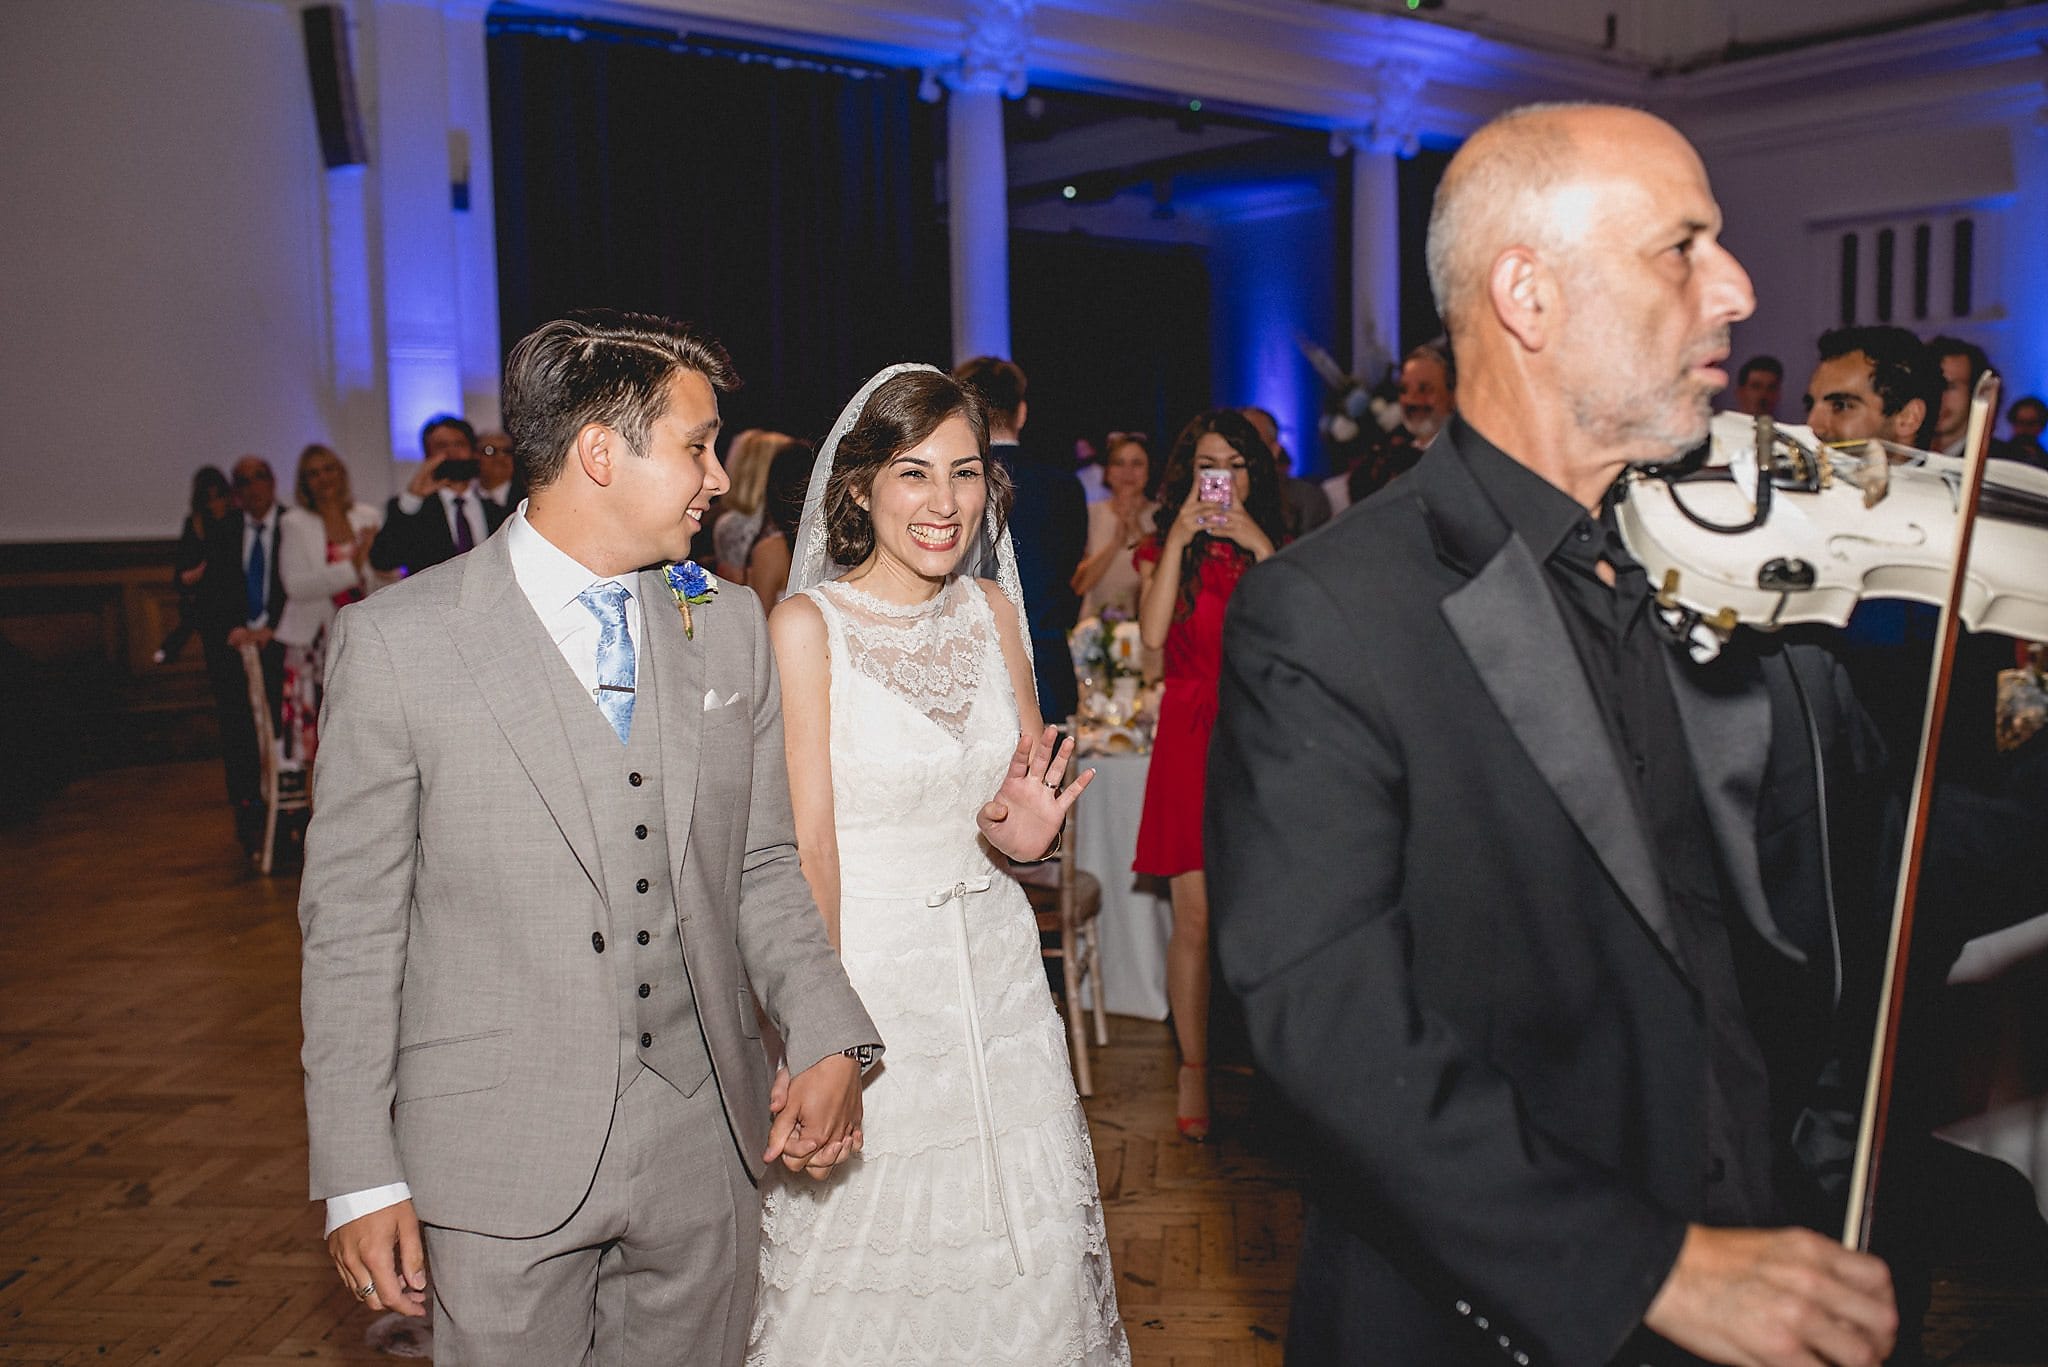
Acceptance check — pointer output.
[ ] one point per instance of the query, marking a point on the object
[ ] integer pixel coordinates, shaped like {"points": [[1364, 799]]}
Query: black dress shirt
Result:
{"points": [[1621, 645]]}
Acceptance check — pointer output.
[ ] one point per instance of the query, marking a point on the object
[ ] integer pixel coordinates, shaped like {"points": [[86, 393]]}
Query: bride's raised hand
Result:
{"points": [[1024, 818]]}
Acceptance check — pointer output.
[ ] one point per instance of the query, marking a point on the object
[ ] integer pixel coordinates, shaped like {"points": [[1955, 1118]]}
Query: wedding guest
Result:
{"points": [[782, 503], [325, 564], [208, 505], [1188, 568], [736, 517], [441, 513], [1049, 525], [2024, 422], [1108, 576], [497, 472], [1758, 386], [1303, 504], [1429, 396], [240, 601]]}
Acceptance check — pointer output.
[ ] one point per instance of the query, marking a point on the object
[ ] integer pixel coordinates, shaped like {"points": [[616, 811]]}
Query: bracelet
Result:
{"points": [[1058, 845]]}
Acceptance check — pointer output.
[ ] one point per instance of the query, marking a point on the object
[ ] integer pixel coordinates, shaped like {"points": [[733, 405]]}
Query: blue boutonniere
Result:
{"points": [[690, 584]]}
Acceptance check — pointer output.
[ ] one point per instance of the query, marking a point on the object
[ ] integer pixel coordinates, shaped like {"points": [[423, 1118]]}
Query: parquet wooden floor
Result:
{"points": [[152, 1144]]}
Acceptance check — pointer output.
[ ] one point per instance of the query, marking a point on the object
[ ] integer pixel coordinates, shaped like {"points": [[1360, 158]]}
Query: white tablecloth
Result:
{"points": [[1136, 916]]}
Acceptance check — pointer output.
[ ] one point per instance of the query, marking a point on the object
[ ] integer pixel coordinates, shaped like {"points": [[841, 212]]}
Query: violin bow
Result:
{"points": [[1877, 1094]]}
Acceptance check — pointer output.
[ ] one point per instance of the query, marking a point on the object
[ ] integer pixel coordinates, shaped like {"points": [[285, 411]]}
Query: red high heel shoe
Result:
{"points": [[1194, 1128]]}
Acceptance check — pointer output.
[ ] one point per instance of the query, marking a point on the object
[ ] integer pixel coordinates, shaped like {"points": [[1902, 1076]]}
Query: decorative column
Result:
{"points": [[427, 104], [977, 179], [473, 201], [2026, 267], [1390, 131]]}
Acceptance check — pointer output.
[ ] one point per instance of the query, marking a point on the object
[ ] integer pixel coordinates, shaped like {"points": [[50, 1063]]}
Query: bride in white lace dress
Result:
{"points": [[968, 1229]]}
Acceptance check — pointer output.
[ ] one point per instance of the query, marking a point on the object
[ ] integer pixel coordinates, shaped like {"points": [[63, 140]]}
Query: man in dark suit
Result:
{"points": [[443, 511], [1488, 851], [239, 599], [1048, 527]]}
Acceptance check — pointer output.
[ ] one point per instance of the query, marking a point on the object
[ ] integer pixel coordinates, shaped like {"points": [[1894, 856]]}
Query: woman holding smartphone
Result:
{"points": [[1219, 514]]}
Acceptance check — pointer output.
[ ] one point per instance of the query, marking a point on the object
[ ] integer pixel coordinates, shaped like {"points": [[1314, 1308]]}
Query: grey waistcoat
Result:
{"points": [[658, 1027]]}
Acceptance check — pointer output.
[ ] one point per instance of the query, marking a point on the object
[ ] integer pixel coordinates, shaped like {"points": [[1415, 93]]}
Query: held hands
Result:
{"points": [[1024, 817], [1776, 1298], [252, 636], [383, 1250], [817, 1116]]}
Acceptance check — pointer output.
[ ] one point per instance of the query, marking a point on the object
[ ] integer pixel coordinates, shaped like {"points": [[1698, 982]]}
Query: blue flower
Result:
{"points": [[689, 582]]}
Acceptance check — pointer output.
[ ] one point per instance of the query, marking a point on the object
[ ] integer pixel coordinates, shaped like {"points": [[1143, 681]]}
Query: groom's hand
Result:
{"points": [[383, 1249], [820, 1124]]}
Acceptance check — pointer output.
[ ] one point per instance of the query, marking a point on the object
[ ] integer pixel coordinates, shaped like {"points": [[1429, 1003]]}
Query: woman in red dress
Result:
{"points": [[1188, 569]]}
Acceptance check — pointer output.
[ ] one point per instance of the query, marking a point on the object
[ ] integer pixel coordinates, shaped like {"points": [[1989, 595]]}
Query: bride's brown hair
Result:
{"points": [[903, 411]]}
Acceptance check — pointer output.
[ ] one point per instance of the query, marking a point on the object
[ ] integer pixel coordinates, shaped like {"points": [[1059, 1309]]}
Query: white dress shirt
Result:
{"points": [[551, 579], [266, 529], [410, 504]]}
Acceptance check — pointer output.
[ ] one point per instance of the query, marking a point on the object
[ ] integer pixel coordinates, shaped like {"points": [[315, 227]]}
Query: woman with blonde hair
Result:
{"points": [[738, 524], [323, 561]]}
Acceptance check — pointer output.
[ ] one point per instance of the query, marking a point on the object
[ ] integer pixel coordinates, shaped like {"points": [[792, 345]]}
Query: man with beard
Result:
{"points": [[1429, 395], [1487, 851]]}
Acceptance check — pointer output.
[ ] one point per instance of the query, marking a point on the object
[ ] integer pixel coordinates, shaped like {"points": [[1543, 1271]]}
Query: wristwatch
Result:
{"points": [[865, 1055]]}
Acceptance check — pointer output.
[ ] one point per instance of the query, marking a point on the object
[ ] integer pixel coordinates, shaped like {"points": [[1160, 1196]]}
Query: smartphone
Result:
{"points": [[457, 469], [1215, 486]]}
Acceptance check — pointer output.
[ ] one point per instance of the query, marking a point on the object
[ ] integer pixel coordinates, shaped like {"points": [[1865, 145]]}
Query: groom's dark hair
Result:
{"points": [[599, 365]]}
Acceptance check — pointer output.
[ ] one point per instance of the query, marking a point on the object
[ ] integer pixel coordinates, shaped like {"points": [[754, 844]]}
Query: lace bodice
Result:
{"points": [[923, 726], [928, 654]]}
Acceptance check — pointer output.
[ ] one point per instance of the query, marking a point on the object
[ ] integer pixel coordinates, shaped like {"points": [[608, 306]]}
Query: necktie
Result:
{"points": [[465, 539], [607, 603], [258, 578]]}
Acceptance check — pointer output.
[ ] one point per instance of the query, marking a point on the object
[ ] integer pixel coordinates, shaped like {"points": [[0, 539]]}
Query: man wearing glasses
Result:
{"points": [[240, 599]]}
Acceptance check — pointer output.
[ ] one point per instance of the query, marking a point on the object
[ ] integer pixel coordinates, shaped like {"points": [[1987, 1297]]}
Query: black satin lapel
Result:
{"points": [[678, 662], [508, 653], [1511, 630], [1726, 717]]}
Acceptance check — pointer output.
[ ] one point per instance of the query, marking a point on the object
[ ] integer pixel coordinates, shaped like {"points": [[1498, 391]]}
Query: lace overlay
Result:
{"points": [[928, 654], [969, 1230]]}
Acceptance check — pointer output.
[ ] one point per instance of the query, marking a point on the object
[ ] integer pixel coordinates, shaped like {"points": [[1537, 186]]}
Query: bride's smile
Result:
{"points": [[922, 504]]}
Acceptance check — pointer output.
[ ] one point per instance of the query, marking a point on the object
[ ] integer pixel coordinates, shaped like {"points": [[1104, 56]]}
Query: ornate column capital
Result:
{"points": [[992, 59], [1393, 98]]}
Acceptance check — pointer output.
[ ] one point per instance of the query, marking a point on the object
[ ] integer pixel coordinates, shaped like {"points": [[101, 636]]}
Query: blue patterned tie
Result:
{"points": [[607, 603]]}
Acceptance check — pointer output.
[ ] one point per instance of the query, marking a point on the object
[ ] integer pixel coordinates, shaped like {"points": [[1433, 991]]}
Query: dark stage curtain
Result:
{"points": [[784, 204], [1113, 336]]}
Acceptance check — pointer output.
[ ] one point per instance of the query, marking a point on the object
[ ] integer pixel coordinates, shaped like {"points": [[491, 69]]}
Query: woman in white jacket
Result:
{"points": [[323, 559]]}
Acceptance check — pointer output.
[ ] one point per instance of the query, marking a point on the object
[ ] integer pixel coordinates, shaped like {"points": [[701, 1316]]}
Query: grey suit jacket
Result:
{"points": [[461, 1031]]}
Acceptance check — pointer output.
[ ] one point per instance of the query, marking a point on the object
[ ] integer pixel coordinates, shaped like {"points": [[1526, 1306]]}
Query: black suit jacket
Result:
{"points": [[1442, 913], [222, 601], [1049, 529], [422, 540]]}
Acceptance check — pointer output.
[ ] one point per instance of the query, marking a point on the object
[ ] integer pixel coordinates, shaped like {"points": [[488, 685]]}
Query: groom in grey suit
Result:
{"points": [[551, 873]]}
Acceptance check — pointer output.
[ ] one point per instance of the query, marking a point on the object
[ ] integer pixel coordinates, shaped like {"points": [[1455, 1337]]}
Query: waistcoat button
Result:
{"points": [[597, 942]]}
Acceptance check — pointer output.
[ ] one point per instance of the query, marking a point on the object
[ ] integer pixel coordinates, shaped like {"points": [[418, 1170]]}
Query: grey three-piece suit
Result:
{"points": [[529, 948]]}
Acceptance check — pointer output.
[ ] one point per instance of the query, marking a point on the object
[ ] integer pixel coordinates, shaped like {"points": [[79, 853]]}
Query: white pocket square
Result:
{"points": [[712, 702]]}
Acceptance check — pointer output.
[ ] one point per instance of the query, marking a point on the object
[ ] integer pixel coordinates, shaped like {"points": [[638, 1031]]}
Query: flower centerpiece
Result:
{"points": [[1108, 656]]}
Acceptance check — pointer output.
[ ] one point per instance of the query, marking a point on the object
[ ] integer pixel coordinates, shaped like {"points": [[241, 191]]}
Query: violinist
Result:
{"points": [[1489, 852]]}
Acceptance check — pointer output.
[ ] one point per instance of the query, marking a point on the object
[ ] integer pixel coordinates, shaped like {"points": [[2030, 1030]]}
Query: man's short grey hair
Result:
{"points": [[1493, 194]]}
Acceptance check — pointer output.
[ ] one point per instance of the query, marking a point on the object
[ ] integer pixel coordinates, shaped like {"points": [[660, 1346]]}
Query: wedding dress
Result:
{"points": [[969, 1229]]}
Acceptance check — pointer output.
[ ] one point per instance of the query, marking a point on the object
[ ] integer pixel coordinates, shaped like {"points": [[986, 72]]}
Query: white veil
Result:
{"points": [[812, 563]]}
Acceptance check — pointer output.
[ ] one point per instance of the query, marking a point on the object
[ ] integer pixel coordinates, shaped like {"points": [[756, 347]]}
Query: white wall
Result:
{"points": [[160, 258]]}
